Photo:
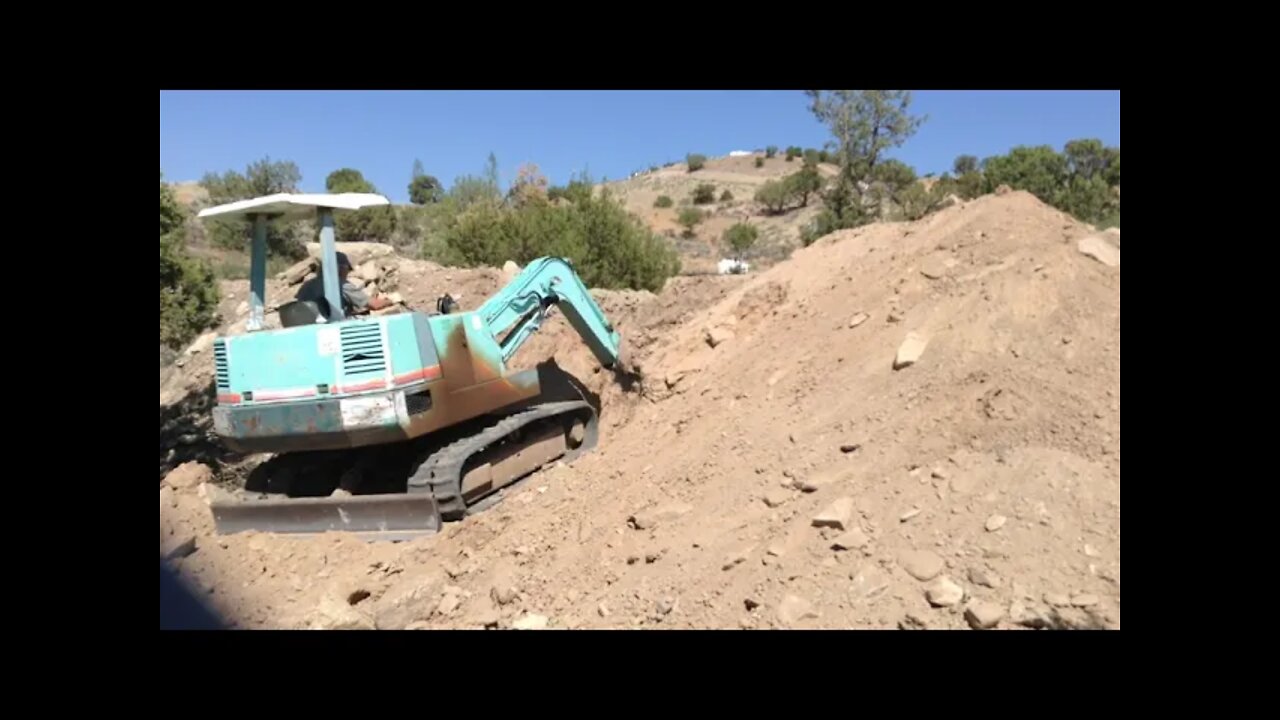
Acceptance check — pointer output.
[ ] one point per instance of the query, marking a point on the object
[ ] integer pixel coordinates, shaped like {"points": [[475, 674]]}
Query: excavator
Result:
{"points": [[386, 426]]}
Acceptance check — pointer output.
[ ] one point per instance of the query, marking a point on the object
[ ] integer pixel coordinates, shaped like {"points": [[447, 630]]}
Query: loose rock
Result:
{"points": [[922, 565], [776, 497], [1083, 600], [1100, 250], [836, 515], [736, 558], [532, 621], [985, 578], [910, 350], [995, 522], [983, 615], [943, 592], [913, 621], [503, 593], [858, 319], [909, 514], [651, 518], [850, 447], [666, 605], [793, 609], [828, 475]]}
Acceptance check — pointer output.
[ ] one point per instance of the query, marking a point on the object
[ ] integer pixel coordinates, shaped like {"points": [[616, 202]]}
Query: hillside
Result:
{"points": [[738, 175], [910, 425]]}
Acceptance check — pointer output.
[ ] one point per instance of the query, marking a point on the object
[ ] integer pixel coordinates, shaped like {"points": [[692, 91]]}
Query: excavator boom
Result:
{"points": [[543, 283]]}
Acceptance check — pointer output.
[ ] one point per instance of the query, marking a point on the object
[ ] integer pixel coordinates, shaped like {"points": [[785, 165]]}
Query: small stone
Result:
{"points": [[531, 621], [1100, 250], [850, 447], [452, 570], [995, 522], [922, 565], [603, 610], [983, 615], [418, 625], [943, 592], [894, 316], [750, 604], [776, 497], [851, 540], [869, 581], [666, 605], [910, 351], [1090, 551], [985, 578], [793, 609], [449, 603], [858, 319], [650, 518], [909, 514], [1084, 600], [503, 593], [776, 549], [829, 475], [939, 474], [836, 515]]}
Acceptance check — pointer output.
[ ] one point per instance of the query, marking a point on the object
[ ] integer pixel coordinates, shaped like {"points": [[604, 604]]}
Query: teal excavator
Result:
{"points": [[385, 426]]}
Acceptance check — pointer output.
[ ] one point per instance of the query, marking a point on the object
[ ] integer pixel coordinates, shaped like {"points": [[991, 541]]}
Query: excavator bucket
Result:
{"points": [[395, 516]]}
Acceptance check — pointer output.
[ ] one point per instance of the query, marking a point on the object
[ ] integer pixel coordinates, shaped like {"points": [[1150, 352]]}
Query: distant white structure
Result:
{"points": [[733, 267], [739, 153]]}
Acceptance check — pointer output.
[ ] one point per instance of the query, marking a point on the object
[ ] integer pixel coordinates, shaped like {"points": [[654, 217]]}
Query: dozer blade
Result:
{"points": [[396, 516]]}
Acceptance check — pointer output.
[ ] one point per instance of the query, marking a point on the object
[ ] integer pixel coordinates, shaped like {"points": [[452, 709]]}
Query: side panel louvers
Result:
{"points": [[221, 370], [362, 351]]}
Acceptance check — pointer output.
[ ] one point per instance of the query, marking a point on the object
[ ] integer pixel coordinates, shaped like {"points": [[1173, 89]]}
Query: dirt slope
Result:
{"points": [[789, 476]]}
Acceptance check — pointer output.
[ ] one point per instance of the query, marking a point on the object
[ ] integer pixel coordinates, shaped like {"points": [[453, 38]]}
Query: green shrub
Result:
{"points": [[608, 247], [188, 289], [690, 217], [774, 195], [663, 201], [726, 196], [770, 151], [759, 162], [704, 194], [741, 237], [696, 161]]}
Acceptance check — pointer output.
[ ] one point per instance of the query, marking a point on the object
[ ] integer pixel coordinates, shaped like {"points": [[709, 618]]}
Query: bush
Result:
{"points": [[811, 157], [770, 151], [793, 152], [608, 247], [803, 183], [263, 177], [663, 201], [188, 290], [726, 196], [741, 237], [759, 162], [704, 194], [774, 195], [696, 162], [689, 217], [375, 224]]}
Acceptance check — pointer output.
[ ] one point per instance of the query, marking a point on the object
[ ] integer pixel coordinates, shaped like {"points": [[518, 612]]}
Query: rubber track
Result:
{"points": [[441, 474]]}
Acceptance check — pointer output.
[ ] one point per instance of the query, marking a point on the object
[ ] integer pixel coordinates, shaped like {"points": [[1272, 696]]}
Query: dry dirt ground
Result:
{"points": [[911, 425]]}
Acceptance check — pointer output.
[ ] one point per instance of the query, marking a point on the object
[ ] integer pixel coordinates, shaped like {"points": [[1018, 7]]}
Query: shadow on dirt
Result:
{"points": [[186, 429]]}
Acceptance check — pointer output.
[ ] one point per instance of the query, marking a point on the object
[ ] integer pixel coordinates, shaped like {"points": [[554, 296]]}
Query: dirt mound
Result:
{"points": [[784, 467]]}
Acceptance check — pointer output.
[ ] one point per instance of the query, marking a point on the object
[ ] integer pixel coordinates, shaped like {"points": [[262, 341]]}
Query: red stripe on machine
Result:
{"points": [[430, 373], [370, 385], [232, 398]]}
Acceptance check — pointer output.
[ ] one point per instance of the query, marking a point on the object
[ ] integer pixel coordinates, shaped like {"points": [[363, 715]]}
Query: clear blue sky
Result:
{"points": [[610, 133]]}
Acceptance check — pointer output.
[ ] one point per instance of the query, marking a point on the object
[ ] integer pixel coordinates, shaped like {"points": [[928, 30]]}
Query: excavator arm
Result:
{"points": [[524, 302]]}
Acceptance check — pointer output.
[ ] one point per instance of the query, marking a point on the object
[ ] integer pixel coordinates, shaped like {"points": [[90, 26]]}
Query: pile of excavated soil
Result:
{"points": [[908, 425]]}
